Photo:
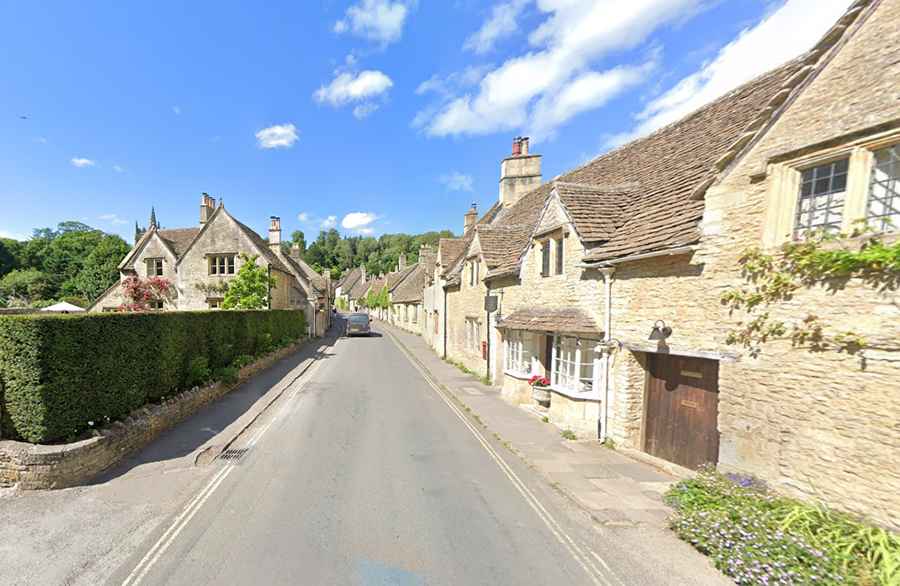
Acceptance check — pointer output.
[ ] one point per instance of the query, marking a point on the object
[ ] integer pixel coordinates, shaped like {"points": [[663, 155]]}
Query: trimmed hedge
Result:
{"points": [[62, 374]]}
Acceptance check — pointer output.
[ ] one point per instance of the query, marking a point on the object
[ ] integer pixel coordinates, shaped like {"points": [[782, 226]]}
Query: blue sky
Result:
{"points": [[372, 115]]}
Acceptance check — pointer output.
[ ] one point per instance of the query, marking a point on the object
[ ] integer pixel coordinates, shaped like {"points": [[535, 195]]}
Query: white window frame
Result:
{"points": [[155, 267], [785, 181], [473, 335], [519, 353], [222, 264], [570, 356]]}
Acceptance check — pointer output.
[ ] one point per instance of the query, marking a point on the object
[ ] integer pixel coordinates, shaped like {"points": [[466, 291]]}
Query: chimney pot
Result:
{"points": [[517, 147], [207, 207], [274, 233], [523, 142], [519, 173]]}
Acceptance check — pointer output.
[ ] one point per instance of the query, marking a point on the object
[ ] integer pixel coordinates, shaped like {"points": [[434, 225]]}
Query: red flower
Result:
{"points": [[539, 380]]}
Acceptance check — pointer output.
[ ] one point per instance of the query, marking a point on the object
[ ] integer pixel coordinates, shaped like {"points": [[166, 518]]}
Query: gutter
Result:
{"points": [[616, 261]]}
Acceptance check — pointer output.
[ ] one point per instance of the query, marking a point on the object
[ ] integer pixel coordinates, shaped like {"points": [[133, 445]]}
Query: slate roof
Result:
{"points": [[667, 172], [179, 239], [263, 247], [316, 280], [410, 290], [394, 279], [450, 249], [453, 273], [568, 320], [349, 279], [360, 289]]}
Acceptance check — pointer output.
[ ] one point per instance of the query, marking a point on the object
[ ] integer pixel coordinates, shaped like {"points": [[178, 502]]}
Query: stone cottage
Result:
{"points": [[407, 298], [609, 280], [200, 261]]}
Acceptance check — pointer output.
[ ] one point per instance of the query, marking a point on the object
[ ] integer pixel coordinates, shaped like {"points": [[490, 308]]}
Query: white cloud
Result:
{"points": [[456, 181], [347, 87], [176, 110], [82, 162], [377, 20], [303, 216], [279, 136], [358, 220], [40, 140], [13, 235], [118, 168], [783, 34], [468, 77], [329, 222], [364, 110], [574, 35], [502, 23], [112, 219]]}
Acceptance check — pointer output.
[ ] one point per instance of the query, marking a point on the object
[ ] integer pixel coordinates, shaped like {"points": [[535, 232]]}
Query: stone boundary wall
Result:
{"points": [[34, 466]]}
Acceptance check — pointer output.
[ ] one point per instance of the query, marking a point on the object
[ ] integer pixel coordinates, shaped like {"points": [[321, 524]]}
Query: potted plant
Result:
{"points": [[540, 389]]}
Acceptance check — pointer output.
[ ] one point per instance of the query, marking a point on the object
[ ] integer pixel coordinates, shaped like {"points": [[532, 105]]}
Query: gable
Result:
{"points": [[553, 217], [151, 245]]}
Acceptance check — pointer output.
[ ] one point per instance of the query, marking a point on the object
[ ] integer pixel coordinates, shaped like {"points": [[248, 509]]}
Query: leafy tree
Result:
{"points": [[250, 287], [24, 286], [9, 255], [100, 269]]}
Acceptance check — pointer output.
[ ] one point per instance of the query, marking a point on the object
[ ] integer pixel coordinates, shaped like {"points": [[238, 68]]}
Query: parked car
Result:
{"points": [[358, 324]]}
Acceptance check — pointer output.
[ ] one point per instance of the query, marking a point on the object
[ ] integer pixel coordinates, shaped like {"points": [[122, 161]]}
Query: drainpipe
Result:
{"points": [[445, 321], [487, 321], [607, 356]]}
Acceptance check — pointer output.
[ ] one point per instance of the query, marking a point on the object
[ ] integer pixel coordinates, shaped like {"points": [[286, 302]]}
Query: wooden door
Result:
{"points": [[681, 423]]}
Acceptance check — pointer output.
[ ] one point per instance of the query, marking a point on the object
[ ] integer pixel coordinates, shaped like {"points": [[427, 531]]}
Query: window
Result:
{"points": [[214, 303], [883, 208], [559, 255], [415, 316], [821, 203], [154, 267], [221, 264], [573, 364], [473, 273], [406, 313], [156, 305], [473, 335], [519, 352], [545, 258]]}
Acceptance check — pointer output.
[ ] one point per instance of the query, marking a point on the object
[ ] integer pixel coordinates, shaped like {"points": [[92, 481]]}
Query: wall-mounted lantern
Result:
{"points": [[660, 331]]}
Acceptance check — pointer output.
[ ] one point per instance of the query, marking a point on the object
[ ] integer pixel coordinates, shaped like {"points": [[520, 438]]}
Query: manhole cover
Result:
{"points": [[233, 455]]}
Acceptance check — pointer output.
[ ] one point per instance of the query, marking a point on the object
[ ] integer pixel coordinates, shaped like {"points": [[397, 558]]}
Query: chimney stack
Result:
{"points": [[274, 233], [362, 270], [207, 207], [401, 262], [519, 173], [470, 218]]}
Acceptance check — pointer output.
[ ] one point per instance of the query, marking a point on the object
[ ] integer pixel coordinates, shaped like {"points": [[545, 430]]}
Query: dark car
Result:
{"points": [[358, 324]]}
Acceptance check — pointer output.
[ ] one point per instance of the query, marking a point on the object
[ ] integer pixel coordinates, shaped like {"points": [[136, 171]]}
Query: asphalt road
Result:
{"points": [[364, 474]]}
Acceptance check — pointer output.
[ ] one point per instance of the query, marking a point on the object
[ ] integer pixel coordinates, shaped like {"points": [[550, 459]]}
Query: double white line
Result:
{"points": [[604, 576], [162, 544]]}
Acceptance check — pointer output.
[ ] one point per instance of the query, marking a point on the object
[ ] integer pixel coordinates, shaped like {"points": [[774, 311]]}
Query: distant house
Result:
{"points": [[200, 261]]}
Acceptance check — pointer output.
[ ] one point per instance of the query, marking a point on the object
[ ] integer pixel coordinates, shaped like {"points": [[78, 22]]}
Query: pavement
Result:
{"points": [[614, 488], [362, 470]]}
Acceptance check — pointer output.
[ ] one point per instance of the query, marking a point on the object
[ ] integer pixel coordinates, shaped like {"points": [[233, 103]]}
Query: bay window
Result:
{"points": [[519, 352], [573, 364]]}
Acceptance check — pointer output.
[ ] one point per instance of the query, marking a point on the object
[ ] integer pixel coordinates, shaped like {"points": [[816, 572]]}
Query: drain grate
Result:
{"points": [[234, 455]]}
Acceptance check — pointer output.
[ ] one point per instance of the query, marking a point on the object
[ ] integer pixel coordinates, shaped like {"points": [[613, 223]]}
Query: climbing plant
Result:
{"points": [[820, 259]]}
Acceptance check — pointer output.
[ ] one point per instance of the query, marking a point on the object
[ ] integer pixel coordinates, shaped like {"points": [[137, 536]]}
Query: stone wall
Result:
{"points": [[31, 466], [466, 301]]}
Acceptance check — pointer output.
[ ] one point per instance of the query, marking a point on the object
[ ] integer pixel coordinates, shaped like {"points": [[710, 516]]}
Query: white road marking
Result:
{"points": [[598, 576], [181, 521]]}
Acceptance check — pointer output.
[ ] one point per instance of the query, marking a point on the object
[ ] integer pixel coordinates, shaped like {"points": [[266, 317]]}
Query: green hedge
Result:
{"points": [[58, 373]]}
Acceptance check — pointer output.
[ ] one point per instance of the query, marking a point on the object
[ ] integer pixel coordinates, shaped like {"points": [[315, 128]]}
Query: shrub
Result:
{"points": [[242, 361], [227, 374], [198, 371], [758, 537], [58, 372]]}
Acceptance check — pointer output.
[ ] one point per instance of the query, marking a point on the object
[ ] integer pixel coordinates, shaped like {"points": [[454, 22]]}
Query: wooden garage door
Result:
{"points": [[682, 410]]}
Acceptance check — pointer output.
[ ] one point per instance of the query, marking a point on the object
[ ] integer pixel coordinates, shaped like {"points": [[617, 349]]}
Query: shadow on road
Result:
{"points": [[197, 429]]}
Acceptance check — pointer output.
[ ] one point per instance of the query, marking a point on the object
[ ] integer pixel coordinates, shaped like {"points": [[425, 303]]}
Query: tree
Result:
{"points": [[250, 287], [145, 294], [24, 286], [298, 239], [100, 269], [9, 255]]}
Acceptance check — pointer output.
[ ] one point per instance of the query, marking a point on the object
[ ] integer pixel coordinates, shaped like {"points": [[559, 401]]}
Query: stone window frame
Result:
{"points": [[783, 192], [214, 303], [473, 334], [230, 264], [157, 264]]}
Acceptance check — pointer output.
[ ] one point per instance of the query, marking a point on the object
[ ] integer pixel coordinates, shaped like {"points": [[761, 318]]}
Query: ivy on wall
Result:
{"points": [[820, 259]]}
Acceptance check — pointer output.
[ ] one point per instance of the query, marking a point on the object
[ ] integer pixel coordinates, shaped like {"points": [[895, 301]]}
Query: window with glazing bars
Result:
{"points": [[154, 267], [821, 203], [560, 243], [573, 364], [545, 258], [883, 209], [221, 265]]}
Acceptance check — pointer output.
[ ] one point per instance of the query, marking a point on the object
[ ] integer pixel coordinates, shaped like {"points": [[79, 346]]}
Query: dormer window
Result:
{"points": [[545, 258], [821, 202], [883, 207], [154, 267]]}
